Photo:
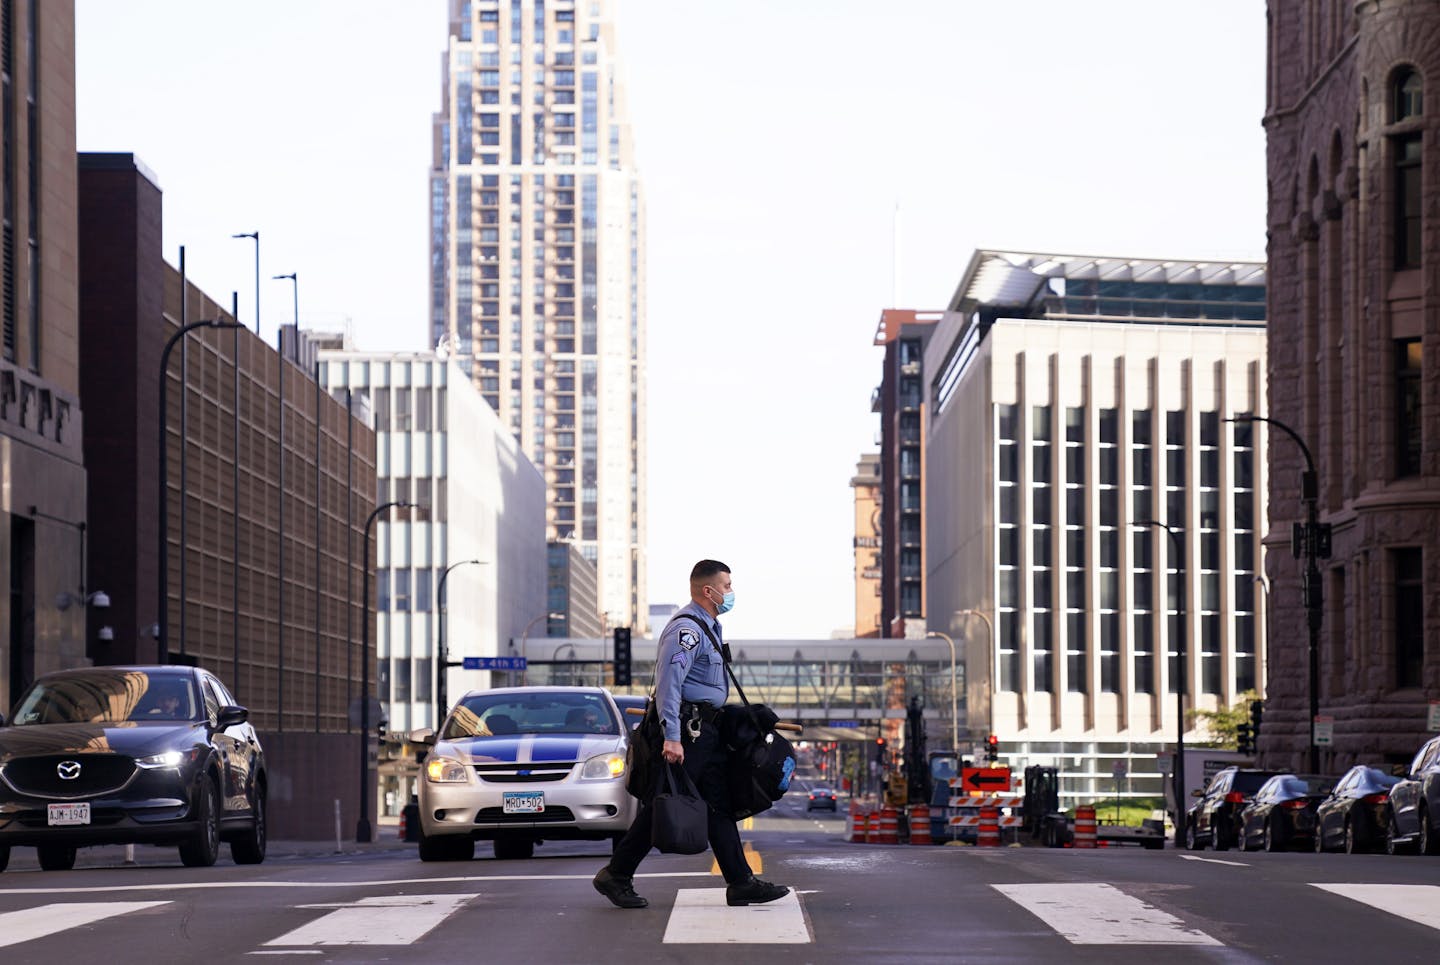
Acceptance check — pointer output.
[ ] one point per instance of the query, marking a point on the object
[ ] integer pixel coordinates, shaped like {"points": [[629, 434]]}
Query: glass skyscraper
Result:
{"points": [[537, 264]]}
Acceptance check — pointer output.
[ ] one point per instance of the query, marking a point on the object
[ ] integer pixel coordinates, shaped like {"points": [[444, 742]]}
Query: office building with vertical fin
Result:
{"points": [[537, 264]]}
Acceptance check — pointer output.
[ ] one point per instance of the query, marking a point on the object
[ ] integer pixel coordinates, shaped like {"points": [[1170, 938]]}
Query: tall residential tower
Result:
{"points": [[537, 264]]}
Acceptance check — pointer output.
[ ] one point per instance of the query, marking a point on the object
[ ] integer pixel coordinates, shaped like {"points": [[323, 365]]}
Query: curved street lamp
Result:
{"points": [[442, 656], [954, 716], [362, 827], [1181, 685], [162, 617]]}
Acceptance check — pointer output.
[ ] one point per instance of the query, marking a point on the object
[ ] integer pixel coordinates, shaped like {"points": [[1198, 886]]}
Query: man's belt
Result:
{"points": [[706, 712]]}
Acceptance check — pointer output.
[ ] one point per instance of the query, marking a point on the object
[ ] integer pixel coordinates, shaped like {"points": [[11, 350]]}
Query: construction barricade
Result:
{"points": [[872, 827], [855, 824], [920, 824], [988, 835], [889, 826], [1085, 826]]}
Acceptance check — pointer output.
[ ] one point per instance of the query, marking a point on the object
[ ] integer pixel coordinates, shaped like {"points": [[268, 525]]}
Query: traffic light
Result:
{"points": [[1245, 738], [1257, 710], [622, 656], [992, 748], [880, 749]]}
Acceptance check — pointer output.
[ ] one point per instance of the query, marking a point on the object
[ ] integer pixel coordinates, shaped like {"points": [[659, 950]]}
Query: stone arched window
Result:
{"points": [[1407, 94]]}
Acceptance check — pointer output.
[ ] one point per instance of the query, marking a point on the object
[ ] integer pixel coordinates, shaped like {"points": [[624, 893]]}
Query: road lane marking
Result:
{"points": [[701, 917], [1233, 864], [33, 923], [1419, 903], [1099, 914], [408, 882], [391, 920]]}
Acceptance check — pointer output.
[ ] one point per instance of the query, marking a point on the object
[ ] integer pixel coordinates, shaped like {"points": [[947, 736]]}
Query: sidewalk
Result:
{"points": [[386, 841]]}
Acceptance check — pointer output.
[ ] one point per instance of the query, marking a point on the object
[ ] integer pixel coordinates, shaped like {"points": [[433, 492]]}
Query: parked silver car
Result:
{"points": [[523, 765], [1415, 805]]}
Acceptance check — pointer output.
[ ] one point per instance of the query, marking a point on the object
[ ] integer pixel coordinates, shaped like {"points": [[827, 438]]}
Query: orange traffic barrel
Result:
{"points": [[404, 820], [857, 824], [920, 824], [872, 827], [988, 835], [1085, 826], [889, 826]]}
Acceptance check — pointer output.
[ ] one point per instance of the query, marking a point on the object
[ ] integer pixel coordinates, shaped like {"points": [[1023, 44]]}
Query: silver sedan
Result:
{"points": [[523, 765]]}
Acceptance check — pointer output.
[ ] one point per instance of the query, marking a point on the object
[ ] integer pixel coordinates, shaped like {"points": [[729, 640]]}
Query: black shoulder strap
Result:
{"points": [[723, 651]]}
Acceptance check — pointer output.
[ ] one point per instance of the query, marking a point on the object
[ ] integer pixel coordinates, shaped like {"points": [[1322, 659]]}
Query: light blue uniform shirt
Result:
{"points": [[688, 667]]}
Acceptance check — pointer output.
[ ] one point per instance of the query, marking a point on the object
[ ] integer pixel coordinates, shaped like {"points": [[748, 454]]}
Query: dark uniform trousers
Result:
{"points": [[705, 759]]}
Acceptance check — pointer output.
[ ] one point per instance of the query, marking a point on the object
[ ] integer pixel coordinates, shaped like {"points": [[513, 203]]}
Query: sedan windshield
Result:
{"points": [[540, 712], [106, 696]]}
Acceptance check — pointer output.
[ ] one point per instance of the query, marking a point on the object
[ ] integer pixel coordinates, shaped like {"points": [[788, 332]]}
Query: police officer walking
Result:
{"points": [[690, 688]]}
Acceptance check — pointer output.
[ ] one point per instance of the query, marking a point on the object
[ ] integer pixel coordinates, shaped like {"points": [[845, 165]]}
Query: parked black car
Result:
{"points": [[1356, 815], [1282, 812], [129, 755], [1215, 818], [1415, 805]]}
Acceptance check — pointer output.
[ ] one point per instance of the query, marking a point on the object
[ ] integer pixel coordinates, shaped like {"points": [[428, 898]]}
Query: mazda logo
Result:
{"points": [[68, 770]]}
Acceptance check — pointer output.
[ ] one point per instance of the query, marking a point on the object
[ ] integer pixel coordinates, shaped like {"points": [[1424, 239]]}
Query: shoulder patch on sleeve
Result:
{"points": [[689, 639]]}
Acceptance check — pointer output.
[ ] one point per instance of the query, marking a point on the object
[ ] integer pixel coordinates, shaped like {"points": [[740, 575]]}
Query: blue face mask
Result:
{"points": [[726, 604]]}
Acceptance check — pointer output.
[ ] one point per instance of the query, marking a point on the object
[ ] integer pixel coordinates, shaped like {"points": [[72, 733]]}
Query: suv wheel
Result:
{"points": [[1429, 840], [55, 857], [1191, 842], [204, 845], [514, 848], [448, 847], [1392, 834], [1273, 841], [250, 849], [1352, 836]]}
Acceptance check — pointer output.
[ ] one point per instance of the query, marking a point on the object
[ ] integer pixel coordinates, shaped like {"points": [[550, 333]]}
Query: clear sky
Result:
{"points": [[776, 139]]}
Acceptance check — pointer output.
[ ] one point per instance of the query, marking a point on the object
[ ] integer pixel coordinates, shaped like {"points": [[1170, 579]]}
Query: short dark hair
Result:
{"points": [[706, 569]]}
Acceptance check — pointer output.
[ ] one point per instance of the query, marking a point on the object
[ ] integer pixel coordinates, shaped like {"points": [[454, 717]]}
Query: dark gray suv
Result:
{"points": [[1415, 805]]}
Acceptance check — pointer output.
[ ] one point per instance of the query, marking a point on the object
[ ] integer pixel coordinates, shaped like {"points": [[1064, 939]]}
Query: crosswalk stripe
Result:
{"points": [[392, 920], [1419, 903], [701, 917], [1099, 914], [33, 923]]}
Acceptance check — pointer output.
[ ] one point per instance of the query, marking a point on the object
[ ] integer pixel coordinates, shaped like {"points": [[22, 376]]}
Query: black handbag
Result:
{"points": [[642, 755], [679, 822]]}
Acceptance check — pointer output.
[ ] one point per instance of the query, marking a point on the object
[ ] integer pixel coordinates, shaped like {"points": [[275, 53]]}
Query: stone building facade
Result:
{"points": [[1354, 310]]}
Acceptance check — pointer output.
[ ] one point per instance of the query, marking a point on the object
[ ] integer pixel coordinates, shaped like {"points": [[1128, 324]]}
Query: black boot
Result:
{"points": [[753, 891], [620, 891]]}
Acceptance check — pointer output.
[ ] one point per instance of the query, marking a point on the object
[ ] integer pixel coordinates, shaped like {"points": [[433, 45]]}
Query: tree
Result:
{"points": [[1222, 725]]}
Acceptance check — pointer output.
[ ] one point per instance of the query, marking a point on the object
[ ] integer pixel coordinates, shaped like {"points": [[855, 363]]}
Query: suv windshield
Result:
{"points": [[552, 712], [106, 696]]}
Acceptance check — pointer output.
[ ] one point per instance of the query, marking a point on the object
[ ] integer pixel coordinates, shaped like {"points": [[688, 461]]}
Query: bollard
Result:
{"points": [[1085, 826], [920, 824], [988, 835]]}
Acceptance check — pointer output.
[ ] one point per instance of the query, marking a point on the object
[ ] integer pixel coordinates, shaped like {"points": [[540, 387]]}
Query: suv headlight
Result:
{"points": [[603, 768], [167, 759], [446, 770]]}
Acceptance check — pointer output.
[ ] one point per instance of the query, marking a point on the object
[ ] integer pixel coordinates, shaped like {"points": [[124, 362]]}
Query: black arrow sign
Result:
{"points": [[979, 779]]}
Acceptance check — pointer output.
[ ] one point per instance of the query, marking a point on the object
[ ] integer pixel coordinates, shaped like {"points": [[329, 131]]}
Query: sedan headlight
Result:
{"points": [[603, 768], [446, 770], [167, 759]]}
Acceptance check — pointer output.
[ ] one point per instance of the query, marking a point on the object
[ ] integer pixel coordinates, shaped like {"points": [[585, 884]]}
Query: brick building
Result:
{"points": [[265, 510], [1354, 311]]}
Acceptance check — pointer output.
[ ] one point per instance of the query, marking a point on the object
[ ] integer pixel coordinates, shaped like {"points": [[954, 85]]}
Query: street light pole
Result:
{"points": [[954, 716], [442, 656], [362, 827], [255, 235], [523, 635], [1312, 539], [1181, 682], [162, 617]]}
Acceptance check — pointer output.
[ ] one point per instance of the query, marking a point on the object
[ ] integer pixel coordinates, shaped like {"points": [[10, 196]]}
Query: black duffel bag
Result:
{"points": [[760, 763], [679, 817], [642, 755]]}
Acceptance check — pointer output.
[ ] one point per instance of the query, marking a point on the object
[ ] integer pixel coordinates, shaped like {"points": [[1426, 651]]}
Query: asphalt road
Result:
{"points": [[852, 903]]}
